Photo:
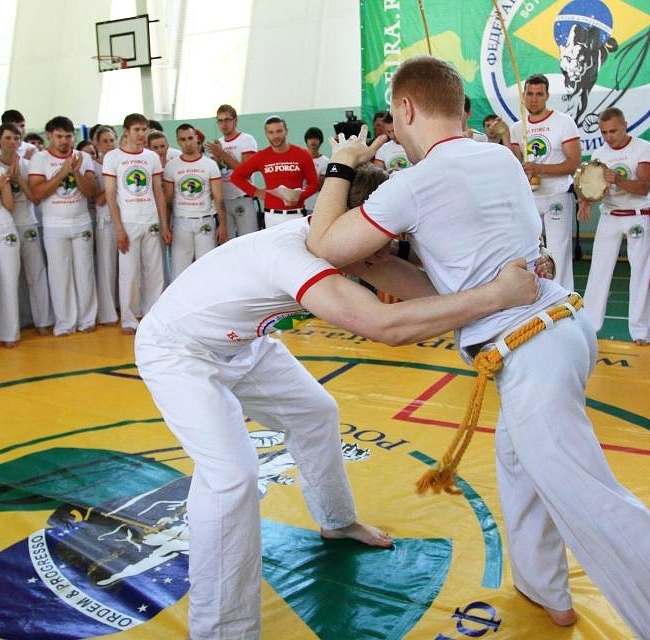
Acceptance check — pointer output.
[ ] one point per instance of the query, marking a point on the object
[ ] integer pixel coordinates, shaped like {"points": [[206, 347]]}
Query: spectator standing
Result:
{"points": [[288, 172], [105, 238], [13, 116], [391, 156], [313, 142], [63, 180], [31, 246], [134, 193], [624, 213], [9, 268], [192, 184], [468, 132], [550, 157], [229, 151]]}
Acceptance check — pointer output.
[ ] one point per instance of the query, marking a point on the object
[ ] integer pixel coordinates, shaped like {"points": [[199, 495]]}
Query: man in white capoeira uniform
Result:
{"points": [[9, 268], [467, 207], [135, 197], [233, 148], [205, 354], [192, 184], [31, 247], [550, 154], [105, 238], [63, 180], [624, 213]]}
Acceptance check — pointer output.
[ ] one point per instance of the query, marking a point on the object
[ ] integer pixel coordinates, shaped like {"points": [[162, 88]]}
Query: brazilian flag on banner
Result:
{"points": [[595, 53]]}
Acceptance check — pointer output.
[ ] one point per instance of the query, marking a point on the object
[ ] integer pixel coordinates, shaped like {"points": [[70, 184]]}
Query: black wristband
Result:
{"points": [[338, 170], [403, 249]]}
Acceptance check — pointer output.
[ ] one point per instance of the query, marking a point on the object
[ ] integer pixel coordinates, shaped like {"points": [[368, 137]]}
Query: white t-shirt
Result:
{"points": [[468, 209], [134, 174], [545, 140], [25, 147], [23, 211], [321, 165], [393, 156], [67, 206], [624, 161], [240, 290], [191, 180], [242, 143]]}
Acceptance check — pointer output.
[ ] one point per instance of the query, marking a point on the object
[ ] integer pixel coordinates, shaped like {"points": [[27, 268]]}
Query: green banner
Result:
{"points": [[595, 53]]}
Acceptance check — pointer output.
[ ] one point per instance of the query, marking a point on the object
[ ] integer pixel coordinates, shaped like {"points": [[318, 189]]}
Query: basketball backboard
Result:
{"points": [[126, 40]]}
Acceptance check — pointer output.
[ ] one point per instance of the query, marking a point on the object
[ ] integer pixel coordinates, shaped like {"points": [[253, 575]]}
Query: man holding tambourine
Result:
{"points": [[618, 175]]}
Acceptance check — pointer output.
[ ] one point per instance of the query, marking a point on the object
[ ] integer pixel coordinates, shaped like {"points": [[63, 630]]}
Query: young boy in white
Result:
{"points": [[63, 180], [192, 183], [134, 193], [31, 248]]}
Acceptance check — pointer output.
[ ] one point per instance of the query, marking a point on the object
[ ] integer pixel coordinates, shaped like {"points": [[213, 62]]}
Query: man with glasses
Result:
{"points": [[232, 148]]}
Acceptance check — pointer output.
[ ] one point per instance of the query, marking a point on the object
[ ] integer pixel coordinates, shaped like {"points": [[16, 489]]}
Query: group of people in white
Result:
{"points": [[99, 230]]}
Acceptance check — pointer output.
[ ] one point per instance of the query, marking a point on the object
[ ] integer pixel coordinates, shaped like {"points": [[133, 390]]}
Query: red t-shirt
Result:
{"points": [[294, 169]]}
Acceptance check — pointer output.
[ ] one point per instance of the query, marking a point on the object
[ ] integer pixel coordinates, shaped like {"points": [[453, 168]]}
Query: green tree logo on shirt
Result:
{"points": [[191, 187], [136, 181]]}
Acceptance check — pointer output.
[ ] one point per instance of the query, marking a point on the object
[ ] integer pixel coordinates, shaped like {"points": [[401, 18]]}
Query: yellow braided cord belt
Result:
{"points": [[440, 477]]}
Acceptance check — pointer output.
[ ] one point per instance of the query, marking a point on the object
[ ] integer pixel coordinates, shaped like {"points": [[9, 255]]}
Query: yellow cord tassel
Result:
{"points": [[441, 477]]}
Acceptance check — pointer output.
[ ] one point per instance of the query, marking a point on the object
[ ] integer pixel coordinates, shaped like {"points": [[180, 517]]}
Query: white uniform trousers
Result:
{"points": [[71, 276], [193, 237], [201, 397], [607, 242], [555, 484], [106, 268], [558, 213], [241, 216], [277, 216], [33, 266], [9, 275], [141, 278]]}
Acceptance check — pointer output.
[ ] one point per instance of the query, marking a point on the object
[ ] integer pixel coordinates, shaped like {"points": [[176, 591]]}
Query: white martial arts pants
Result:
{"points": [[558, 213], [141, 278], [275, 216], [607, 242], [193, 237], [555, 484], [241, 216], [71, 276], [9, 274], [106, 266], [33, 266], [201, 397]]}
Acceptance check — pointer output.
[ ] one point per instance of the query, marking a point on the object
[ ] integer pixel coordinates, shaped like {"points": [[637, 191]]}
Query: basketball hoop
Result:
{"points": [[110, 63]]}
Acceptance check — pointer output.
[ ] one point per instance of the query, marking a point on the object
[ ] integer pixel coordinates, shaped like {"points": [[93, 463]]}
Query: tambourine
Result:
{"points": [[589, 181]]}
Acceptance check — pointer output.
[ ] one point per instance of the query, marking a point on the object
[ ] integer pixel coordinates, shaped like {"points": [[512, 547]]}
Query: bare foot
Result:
{"points": [[128, 331], [362, 532], [11, 345], [44, 331], [641, 343], [562, 618]]}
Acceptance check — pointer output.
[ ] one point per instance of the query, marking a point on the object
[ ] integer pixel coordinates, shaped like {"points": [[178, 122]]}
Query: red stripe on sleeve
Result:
{"points": [[313, 280]]}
